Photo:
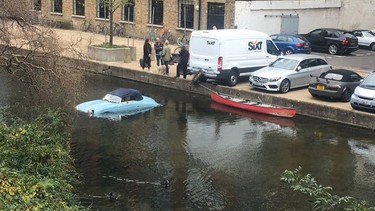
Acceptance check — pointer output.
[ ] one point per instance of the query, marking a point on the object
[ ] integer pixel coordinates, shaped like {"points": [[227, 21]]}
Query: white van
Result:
{"points": [[228, 54]]}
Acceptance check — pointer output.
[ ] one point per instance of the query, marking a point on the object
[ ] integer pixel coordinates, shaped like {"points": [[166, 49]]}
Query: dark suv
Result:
{"points": [[335, 41]]}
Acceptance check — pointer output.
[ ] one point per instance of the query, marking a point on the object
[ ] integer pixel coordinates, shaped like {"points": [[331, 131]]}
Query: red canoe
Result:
{"points": [[287, 122], [253, 106]]}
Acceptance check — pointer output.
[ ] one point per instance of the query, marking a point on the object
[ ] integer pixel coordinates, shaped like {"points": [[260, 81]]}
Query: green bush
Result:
{"points": [[322, 198], [107, 45], [36, 169]]}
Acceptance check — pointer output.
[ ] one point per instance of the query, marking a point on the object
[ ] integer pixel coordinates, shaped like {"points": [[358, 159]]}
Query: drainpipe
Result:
{"points": [[199, 14]]}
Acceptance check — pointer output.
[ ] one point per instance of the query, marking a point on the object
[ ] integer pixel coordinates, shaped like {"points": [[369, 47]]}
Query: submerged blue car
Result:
{"points": [[117, 103], [290, 44]]}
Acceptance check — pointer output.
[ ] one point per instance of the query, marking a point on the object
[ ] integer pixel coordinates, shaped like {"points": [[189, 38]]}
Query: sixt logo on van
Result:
{"points": [[255, 45], [210, 42]]}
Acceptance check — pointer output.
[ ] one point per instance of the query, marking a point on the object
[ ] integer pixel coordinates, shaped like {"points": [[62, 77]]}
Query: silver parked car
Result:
{"points": [[289, 71], [364, 95]]}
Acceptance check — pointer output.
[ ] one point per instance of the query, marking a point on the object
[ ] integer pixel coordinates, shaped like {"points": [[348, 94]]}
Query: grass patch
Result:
{"points": [[107, 45]]}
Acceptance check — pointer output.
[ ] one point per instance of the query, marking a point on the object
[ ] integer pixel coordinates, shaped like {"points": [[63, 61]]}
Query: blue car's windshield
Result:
{"points": [[112, 98], [283, 63]]}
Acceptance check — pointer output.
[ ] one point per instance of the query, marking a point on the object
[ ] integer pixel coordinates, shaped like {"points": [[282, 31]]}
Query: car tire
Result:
{"points": [[203, 78], [333, 49], [232, 78], [372, 46], [314, 95], [288, 51], [346, 95], [284, 86]]}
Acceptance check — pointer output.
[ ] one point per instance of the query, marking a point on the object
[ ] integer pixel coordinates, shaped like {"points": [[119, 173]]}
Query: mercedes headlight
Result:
{"points": [[274, 79]]}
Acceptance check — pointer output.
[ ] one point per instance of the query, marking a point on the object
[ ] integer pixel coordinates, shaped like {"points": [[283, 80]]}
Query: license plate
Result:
{"points": [[257, 83], [320, 87]]}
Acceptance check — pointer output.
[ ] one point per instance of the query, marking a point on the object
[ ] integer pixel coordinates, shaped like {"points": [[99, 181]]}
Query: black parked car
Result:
{"points": [[335, 84], [335, 41]]}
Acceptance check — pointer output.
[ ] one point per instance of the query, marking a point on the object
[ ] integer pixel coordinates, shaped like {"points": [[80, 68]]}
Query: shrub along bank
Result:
{"points": [[36, 169]]}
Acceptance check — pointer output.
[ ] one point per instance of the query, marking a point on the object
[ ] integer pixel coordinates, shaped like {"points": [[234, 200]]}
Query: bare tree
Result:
{"points": [[113, 5], [33, 55]]}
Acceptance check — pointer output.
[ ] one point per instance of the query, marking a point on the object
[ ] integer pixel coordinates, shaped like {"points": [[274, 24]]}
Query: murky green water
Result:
{"points": [[212, 157]]}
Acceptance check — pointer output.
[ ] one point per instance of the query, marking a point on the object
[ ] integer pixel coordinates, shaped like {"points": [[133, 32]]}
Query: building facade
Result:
{"points": [[302, 16], [139, 17]]}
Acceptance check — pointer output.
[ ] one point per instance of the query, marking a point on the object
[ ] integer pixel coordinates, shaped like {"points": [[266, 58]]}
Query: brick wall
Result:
{"points": [[140, 26]]}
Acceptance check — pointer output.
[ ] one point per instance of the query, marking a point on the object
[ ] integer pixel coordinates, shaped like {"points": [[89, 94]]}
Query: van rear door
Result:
{"points": [[204, 53]]}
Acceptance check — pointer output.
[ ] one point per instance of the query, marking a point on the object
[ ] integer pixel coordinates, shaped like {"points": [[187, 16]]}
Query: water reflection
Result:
{"points": [[212, 159]]}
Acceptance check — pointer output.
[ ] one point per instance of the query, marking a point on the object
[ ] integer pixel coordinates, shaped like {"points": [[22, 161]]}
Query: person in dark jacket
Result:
{"points": [[158, 46], [147, 54], [182, 64]]}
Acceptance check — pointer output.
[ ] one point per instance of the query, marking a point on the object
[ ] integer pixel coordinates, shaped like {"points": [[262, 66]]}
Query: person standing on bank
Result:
{"points": [[182, 64], [147, 54], [158, 46], [166, 56]]}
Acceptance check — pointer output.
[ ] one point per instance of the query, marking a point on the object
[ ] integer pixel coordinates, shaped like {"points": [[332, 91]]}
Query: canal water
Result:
{"points": [[192, 154]]}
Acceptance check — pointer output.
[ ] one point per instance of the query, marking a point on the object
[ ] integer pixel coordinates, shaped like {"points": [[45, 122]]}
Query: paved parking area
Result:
{"points": [[361, 61]]}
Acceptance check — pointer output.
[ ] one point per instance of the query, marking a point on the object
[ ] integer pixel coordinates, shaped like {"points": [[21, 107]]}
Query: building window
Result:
{"points": [[37, 5], [79, 7], [155, 12], [102, 9], [56, 6], [128, 13], [186, 14]]}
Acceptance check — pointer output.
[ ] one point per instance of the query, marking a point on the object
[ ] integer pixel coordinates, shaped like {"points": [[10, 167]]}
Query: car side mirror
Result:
{"points": [[299, 68]]}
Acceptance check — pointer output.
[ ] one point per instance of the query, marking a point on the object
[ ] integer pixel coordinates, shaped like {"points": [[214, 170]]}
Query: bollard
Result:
{"points": [[153, 55], [127, 57], [133, 52]]}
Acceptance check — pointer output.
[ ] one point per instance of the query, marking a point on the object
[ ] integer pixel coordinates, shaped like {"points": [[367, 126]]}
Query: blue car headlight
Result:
{"points": [[274, 79]]}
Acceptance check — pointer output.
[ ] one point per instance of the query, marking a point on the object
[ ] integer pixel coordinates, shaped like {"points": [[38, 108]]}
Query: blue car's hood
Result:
{"points": [[103, 108]]}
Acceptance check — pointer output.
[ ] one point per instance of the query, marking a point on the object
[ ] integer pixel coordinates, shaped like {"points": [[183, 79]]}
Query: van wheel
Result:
{"points": [[232, 78], [203, 78], [285, 86]]}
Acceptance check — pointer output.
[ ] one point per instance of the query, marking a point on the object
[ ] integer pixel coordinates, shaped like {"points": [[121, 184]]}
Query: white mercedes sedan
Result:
{"points": [[288, 72]]}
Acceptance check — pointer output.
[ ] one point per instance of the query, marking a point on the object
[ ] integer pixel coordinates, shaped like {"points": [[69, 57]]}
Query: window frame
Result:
{"points": [[189, 12], [124, 13], [160, 11], [36, 8], [99, 4], [54, 6], [75, 7]]}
